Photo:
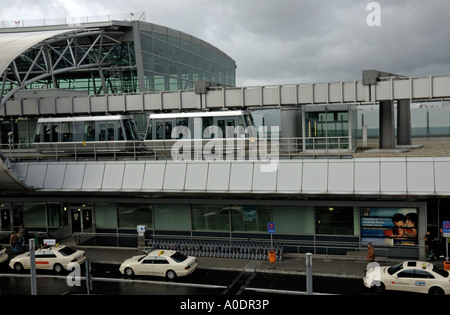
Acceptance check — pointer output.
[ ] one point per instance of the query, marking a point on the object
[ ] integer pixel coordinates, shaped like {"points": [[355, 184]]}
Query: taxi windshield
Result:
{"points": [[394, 269], [67, 251], [178, 257], [440, 271]]}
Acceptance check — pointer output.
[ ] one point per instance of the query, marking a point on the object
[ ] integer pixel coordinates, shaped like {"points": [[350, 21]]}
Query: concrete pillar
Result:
{"points": [[387, 128], [404, 122]]}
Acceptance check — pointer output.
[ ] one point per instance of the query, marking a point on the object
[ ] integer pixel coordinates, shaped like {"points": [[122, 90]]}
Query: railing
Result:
{"points": [[135, 16], [250, 248], [236, 149]]}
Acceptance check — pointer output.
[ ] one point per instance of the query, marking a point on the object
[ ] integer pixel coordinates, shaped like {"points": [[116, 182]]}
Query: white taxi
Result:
{"points": [[50, 257], [3, 254], [165, 263], [411, 276]]}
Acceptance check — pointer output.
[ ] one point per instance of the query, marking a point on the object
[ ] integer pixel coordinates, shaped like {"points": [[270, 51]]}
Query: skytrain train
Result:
{"points": [[118, 133], [164, 130], [113, 133]]}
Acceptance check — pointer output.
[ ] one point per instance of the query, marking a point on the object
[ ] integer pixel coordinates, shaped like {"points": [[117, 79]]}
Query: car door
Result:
{"points": [[161, 265], [42, 260], [423, 280], [403, 281], [146, 267]]}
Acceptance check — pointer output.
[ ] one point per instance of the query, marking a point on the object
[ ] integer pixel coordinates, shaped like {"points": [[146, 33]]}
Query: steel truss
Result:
{"points": [[75, 50]]}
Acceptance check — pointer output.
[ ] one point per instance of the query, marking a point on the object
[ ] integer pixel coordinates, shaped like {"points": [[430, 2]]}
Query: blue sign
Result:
{"points": [[446, 228], [270, 227]]}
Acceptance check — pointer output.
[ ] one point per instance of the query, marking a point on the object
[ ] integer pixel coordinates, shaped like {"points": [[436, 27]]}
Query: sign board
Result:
{"points": [[49, 241], [141, 229], [270, 227], [446, 228]]}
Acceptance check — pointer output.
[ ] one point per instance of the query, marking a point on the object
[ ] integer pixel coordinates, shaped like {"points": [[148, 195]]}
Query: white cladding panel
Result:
{"points": [[380, 176], [73, 179], [93, 176], [196, 176], [340, 177], [113, 176], [218, 177], [174, 176], [133, 176], [420, 178], [367, 176], [154, 176], [289, 177], [393, 176]]}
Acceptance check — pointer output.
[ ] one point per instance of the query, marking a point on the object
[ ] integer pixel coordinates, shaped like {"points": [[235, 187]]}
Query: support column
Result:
{"points": [[404, 122], [387, 128]]}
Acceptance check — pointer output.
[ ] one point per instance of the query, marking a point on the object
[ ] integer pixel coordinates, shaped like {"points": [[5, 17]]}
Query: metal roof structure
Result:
{"points": [[27, 57]]}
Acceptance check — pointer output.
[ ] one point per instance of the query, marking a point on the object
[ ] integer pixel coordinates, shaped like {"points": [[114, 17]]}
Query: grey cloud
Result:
{"points": [[298, 41]]}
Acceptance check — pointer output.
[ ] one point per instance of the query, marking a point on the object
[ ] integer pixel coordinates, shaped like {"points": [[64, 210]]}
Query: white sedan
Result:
{"points": [[165, 263], [411, 276], [3, 254], [56, 257]]}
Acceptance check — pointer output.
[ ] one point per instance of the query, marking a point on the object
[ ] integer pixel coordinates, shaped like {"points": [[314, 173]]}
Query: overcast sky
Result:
{"points": [[288, 41]]}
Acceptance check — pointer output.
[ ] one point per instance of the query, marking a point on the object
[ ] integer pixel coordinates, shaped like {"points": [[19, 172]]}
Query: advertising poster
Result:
{"points": [[389, 226]]}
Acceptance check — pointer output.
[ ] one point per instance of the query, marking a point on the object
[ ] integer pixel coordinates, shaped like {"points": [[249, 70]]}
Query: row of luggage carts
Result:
{"points": [[218, 249]]}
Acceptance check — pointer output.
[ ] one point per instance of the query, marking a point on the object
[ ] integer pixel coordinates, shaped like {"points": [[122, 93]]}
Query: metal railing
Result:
{"points": [[134, 16], [247, 248], [236, 149]]}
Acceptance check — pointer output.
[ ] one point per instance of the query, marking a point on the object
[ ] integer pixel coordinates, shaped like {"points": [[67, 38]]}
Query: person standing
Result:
{"points": [[370, 253], [22, 237], [14, 242], [429, 245]]}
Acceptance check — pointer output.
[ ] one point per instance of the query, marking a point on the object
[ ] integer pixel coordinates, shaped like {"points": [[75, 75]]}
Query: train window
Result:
{"points": [[149, 135], [130, 130], [106, 131], [37, 134], [182, 122], [89, 131], [159, 130], [249, 120], [51, 132], [221, 125], [168, 130], [120, 132], [66, 131], [207, 127], [231, 124], [78, 131]]}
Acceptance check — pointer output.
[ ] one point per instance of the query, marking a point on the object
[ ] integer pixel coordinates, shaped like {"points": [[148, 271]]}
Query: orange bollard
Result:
{"points": [[272, 256]]}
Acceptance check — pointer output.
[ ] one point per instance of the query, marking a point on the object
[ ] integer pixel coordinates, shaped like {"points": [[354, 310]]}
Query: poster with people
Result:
{"points": [[389, 226]]}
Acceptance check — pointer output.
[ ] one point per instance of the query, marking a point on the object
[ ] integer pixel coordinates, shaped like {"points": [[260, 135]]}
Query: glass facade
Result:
{"points": [[330, 129], [190, 218], [134, 58], [173, 60]]}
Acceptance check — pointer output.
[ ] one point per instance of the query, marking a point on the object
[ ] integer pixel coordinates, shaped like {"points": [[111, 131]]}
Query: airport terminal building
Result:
{"points": [[326, 189]]}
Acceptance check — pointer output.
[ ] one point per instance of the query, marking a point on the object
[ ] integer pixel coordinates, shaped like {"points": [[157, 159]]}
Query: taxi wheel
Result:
{"points": [[58, 268], [170, 274], [378, 287], [129, 272], [18, 267], [435, 291]]}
